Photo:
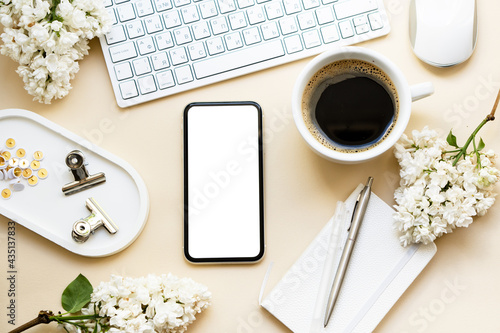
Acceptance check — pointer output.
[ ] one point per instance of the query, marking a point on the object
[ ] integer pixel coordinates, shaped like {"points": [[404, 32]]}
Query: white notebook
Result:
{"points": [[379, 272]]}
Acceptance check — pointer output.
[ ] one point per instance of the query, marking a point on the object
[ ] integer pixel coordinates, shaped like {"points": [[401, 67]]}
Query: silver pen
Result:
{"points": [[357, 218]]}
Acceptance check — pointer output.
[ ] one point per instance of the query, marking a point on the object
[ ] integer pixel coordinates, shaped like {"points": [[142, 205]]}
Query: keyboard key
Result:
{"points": [[306, 20], [361, 25], [146, 45], [288, 25], [182, 35], [108, 3], [128, 89], [116, 35], [219, 25], [269, 30], [292, 6], [237, 20], [245, 3], [226, 6], [255, 15], [324, 15], [293, 44], [311, 39], [178, 56], [126, 12], [233, 41], [360, 20], [160, 61], [135, 29], [352, 8], [147, 84], [308, 4], [362, 29], [141, 66], [215, 46], [200, 30], [144, 8], [251, 36], [183, 74], [180, 3], [274, 10], [123, 71], [208, 9], [197, 51], [111, 13], [165, 79], [376, 21], [153, 24], [190, 14], [330, 34], [162, 5], [346, 29], [240, 58], [172, 19], [122, 52], [164, 41]]}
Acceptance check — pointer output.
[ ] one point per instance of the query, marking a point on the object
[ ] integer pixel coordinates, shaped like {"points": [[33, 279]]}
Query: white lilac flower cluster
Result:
{"points": [[436, 196], [47, 38], [153, 303]]}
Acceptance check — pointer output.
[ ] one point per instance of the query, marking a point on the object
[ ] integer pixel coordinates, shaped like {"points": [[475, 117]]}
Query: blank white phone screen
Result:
{"points": [[223, 181]]}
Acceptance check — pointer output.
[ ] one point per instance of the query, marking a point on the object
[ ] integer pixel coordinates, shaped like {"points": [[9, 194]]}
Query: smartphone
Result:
{"points": [[223, 182]]}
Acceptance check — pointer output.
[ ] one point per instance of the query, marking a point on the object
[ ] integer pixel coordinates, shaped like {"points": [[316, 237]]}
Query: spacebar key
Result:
{"points": [[238, 59]]}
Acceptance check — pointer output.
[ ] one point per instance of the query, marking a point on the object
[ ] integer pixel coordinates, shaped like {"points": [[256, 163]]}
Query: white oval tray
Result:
{"points": [[47, 211]]}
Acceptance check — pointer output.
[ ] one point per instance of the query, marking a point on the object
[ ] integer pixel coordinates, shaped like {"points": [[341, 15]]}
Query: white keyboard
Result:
{"points": [[158, 48]]}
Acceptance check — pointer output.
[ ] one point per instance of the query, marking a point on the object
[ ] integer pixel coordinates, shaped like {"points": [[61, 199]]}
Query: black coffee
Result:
{"points": [[355, 112], [350, 105]]}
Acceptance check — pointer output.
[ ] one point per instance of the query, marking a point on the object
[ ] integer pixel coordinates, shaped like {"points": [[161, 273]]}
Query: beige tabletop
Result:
{"points": [[457, 292]]}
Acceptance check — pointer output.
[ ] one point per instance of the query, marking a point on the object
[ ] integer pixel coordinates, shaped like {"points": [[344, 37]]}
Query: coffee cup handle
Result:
{"points": [[421, 90]]}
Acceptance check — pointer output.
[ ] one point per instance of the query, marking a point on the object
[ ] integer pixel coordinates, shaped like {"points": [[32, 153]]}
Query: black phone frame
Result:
{"points": [[261, 187]]}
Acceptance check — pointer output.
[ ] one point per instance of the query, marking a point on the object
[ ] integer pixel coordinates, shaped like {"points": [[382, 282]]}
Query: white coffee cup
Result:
{"points": [[406, 94]]}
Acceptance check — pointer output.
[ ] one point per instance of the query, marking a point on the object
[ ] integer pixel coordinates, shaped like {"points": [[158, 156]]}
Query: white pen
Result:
{"points": [[357, 218]]}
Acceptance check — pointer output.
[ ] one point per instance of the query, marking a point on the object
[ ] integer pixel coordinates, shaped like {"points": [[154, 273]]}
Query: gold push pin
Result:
{"points": [[14, 173], [6, 193], [13, 162], [27, 173], [24, 163], [3, 163], [21, 153], [42, 173], [10, 143], [38, 155], [6, 155], [33, 180], [17, 172], [35, 165]]}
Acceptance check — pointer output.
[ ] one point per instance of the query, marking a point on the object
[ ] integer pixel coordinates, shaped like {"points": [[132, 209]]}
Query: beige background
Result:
{"points": [[457, 292]]}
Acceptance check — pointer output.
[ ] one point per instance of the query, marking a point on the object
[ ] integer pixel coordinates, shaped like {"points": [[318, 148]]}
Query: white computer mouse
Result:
{"points": [[443, 32]]}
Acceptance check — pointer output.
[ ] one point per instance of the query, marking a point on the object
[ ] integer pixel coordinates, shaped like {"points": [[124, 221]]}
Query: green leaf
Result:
{"points": [[77, 294], [452, 140], [481, 145]]}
